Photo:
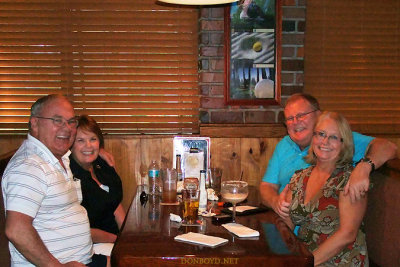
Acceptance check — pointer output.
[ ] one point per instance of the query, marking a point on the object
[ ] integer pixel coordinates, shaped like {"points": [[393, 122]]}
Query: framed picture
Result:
{"points": [[253, 52]]}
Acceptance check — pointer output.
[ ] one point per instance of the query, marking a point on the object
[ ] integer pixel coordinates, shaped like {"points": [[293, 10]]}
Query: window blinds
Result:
{"points": [[132, 65], [352, 61]]}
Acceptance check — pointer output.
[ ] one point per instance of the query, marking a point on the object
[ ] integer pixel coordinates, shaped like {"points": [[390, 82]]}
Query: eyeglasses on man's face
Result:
{"points": [[321, 136], [60, 121], [299, 116]]}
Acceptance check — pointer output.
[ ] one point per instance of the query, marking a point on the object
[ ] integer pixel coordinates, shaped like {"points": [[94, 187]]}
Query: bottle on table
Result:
{"points": [[203, 192], [178, 168], [154, 212], [154, 178]]}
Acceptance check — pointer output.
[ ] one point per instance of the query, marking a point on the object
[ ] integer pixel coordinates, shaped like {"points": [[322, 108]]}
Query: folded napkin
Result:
{"points": [[201, 239], [211, 195], [179, 186], [206, 213], [243, 208], [240, 230], [175, 218]]}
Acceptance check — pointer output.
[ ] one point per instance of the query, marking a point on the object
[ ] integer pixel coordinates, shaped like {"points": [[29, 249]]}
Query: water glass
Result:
{"points": [[214, 178], [169, 179]]}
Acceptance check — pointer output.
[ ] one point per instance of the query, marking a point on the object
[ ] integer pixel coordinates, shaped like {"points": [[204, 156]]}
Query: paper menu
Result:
{"points": [[193, 162], [240, 230], [199, 146], [201, 239]]}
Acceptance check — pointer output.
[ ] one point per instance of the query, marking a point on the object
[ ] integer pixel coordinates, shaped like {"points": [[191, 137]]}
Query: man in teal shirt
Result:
{"points": [[301, 113], [288, 158]]}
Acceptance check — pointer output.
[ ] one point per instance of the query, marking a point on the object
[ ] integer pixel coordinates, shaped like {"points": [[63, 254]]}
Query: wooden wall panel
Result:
{"points": [[255, 154], [150, 149], [127, 164], [225, 154], [8, 143], [167, 152], [133, 152]]}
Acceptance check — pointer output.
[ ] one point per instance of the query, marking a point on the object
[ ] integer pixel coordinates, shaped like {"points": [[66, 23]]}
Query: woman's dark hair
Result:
{"points": [[88, 124]]}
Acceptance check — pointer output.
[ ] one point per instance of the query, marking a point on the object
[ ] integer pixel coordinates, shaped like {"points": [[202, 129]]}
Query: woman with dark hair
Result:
{"points": [[330, 223], [101, 186]]}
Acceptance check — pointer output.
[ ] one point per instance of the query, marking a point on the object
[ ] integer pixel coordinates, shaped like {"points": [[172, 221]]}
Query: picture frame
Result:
{"points": [[253, 52]]}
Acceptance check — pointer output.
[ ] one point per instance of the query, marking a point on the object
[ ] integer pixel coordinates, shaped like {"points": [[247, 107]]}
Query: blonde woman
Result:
{"points": [[329, 221]]}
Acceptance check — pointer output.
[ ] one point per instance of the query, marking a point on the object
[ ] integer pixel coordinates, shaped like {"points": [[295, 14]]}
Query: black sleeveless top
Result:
{"points": [[99, 204]]}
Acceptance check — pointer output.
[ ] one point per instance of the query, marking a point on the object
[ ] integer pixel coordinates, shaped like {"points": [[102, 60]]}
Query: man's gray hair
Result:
{"points": [[307, 97], [37, 107]]}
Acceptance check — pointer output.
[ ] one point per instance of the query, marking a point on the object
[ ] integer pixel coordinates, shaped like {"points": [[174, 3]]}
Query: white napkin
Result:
{"points": [[179, 186], [242, 208], [207, 213], [201, 239], [211, 194], [240, 230], [103, 248], [175, 218]]}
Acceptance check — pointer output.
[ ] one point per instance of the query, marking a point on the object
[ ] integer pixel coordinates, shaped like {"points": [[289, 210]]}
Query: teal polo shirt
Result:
{"points": [[288, 158]]}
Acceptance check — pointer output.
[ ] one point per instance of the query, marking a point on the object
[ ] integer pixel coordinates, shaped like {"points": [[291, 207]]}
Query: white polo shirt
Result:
{"points": [[35, 183]]}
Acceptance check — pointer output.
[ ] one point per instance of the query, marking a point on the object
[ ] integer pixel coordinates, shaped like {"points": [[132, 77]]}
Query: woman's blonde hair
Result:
{"points": [[347, 151]]}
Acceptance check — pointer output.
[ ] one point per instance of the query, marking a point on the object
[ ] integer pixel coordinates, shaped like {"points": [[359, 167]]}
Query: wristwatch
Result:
{"points": [[369, 161]]}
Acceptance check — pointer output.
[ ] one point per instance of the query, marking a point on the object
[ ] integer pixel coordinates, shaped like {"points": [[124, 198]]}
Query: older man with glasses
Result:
{"points": [[45, 223], [301, 113]]}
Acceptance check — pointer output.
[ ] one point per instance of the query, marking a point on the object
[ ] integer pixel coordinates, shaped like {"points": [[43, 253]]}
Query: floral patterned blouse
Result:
{"points": [[319, 218]]}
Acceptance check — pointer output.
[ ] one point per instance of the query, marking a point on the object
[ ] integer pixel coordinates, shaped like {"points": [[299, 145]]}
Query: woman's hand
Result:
{"points": [[119, 214], [283, 203], [108, 157], [100, 236]]}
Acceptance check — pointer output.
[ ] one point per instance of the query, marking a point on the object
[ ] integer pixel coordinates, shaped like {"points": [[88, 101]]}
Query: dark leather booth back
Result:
{"points": [[382, 219]]}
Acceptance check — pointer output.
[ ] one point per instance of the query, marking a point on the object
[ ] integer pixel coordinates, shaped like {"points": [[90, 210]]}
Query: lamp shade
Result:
{"points": [[198, 2]]}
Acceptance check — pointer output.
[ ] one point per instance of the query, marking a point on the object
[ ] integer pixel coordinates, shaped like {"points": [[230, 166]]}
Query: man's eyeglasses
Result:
{"points": [[60, 121], [299, 116], [331, 138]]}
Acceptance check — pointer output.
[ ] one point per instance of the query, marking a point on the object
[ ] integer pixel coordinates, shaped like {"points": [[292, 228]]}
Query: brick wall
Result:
{"points": [[211, 61]]}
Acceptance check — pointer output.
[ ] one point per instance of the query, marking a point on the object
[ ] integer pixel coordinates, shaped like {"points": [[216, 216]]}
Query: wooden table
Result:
{"points": [[147, 239]]}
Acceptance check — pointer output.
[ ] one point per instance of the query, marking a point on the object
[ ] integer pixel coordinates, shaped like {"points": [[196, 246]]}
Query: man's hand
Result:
{"points": [[379, 151], [358, 183], [107, 157]]}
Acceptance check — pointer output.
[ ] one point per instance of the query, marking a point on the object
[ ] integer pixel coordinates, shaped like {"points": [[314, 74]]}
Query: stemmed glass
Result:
{"points": [[234, 192]]}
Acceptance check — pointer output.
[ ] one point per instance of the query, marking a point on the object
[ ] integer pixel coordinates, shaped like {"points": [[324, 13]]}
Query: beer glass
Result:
{"points": [[190, 200]]}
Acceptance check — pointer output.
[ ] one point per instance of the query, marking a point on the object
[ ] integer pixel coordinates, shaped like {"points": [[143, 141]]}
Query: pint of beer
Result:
{"points": [[190, 206]]}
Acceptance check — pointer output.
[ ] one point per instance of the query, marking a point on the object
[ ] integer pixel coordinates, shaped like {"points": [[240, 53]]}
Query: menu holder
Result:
{"points": [[200, 239], [246, 210]]}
